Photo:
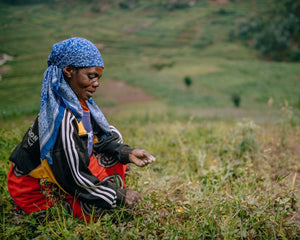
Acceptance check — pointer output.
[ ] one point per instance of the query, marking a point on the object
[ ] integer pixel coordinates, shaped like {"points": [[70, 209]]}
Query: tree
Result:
{"points": [[276, 32]]}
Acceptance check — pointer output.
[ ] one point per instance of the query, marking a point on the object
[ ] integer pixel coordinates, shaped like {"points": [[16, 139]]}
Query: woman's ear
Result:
{"points": [[67, 71]]}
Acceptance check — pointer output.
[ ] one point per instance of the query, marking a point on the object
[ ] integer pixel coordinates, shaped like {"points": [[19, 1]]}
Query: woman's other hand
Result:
{"points": [[132, 198], [141, 157]]}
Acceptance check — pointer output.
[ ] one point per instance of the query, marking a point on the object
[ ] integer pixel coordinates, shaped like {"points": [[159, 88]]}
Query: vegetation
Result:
{"points": [[210, 181], [156, 52], [236, 99], [275, 32], [187, 81], [216, 176]]}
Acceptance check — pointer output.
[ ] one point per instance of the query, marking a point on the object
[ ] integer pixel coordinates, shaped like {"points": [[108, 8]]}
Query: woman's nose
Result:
{"points": [[96, 83]]}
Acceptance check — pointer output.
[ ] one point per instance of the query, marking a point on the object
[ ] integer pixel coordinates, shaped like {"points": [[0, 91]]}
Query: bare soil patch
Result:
{"points": [[4, 69], [123, 93], [3, 60]]}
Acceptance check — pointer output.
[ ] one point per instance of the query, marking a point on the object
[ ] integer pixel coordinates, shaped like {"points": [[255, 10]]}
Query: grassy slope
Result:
{"points": [[213, 179], [135, 41], [210, 181]]}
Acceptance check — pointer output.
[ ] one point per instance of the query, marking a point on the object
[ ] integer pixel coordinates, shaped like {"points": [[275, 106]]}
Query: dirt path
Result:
{"points": [[3, 60], [122, 92]]}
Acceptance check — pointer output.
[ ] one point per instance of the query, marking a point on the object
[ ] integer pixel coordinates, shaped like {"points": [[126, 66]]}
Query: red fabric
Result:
{"points": [[83, 105], [27, 192], [101, 172], [77, 211]]}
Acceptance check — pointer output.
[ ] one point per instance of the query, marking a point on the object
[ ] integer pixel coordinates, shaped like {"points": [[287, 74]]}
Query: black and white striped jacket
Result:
{"points": [[71, 160]]}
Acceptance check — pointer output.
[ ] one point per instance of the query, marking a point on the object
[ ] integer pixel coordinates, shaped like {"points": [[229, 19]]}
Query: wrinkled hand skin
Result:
{"points": [[132, 198], [141, 157]]}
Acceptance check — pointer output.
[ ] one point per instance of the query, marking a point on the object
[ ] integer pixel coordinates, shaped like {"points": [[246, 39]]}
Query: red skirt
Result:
{"points": [[30, 195]]}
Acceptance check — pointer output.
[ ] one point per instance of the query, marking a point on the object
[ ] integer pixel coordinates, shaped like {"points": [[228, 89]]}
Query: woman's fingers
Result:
{"points": [[132, 198], [141, 157]]}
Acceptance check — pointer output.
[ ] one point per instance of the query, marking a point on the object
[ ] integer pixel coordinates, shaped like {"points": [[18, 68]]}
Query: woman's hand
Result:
{"points": [[141, 157], [132, 198]]}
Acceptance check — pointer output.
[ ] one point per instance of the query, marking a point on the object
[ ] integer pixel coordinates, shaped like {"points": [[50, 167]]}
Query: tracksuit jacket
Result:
{"points": [[71, 160]]}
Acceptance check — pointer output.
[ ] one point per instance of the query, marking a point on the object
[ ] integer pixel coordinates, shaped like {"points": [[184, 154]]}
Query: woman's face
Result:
{"points": [[84, 81]]}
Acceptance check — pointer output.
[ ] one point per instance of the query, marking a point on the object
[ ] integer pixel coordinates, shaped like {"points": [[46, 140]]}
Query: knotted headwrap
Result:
{"points": [[56, 93]]}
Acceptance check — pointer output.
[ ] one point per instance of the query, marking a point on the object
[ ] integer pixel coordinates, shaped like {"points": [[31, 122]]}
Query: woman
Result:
{"points": [[70, 152]]}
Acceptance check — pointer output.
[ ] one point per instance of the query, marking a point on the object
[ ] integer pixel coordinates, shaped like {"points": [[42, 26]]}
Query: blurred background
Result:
{"points": [[207, 58]]}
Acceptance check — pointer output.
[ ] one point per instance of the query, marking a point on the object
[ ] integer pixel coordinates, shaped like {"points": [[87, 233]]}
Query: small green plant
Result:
{"points": [[287, 122], [128, 4], [223, 11], [161, 66], [236, 99], [95, 9], [203, 41], [248, 144], [172, 5], [123, 5], [187, 81]]}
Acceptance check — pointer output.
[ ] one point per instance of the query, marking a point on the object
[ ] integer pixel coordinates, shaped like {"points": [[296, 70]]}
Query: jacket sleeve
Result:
{"points": [[70, 168], [26, 154], [111, 146]]}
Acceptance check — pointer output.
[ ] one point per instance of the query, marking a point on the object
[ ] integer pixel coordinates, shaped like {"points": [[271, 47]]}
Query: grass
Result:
{"points": [[216, 176], [210, 181]]}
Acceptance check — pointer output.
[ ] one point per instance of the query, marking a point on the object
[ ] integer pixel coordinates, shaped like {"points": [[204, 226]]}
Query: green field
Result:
{"points": [[221, 172]]}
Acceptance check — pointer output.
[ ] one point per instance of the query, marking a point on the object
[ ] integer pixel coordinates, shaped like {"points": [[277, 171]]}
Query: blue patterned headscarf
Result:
{"points": [[56, 93]]}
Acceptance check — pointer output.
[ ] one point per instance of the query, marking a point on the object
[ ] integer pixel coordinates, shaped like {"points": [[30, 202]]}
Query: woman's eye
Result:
{"points": [[94, 77]]}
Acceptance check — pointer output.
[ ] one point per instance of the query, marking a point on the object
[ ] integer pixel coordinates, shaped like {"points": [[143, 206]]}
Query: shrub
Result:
{"points": [[275, 34], [176, 5], [244, 30], [160, 66], [295, 55], [236, 99], [95, 9], [187, 81], [128, 4], [123, 5], [179, 5], [223, 11], [203, 42]]}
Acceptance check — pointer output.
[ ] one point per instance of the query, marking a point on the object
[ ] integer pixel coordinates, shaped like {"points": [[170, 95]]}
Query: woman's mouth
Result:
{"points": [[90, 93]]}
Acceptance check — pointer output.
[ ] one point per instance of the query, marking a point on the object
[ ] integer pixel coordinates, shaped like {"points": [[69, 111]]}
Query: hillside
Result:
{"points": [[172, 74], [151, 46]]}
